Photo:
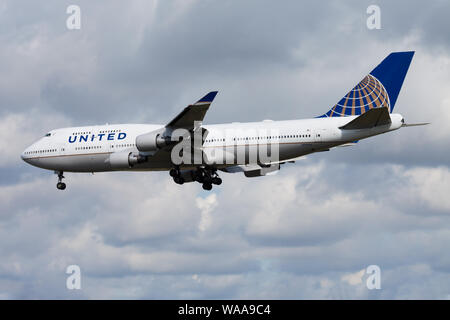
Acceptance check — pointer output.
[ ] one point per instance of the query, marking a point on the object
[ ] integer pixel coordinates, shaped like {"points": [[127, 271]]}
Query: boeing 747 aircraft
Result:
{"points": [[191, 151]]}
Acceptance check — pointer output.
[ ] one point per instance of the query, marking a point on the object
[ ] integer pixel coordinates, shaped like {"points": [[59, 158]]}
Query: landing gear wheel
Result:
{"points": [[207, 186], [208, 180], [61, 186], [199, 176], [217, 181], [173, 173], [178, 180]]}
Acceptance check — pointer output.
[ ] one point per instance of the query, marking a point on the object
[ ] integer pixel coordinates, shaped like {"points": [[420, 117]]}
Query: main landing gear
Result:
{"points": [[175, 174], [60, 185], [206, 176]]}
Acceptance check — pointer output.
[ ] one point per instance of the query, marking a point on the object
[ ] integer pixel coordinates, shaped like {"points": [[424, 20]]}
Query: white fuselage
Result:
{"points": [[88, 149]]}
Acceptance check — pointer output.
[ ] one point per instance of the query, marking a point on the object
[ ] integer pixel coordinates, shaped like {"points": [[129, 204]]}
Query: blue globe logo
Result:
{"points": [[368, 94]]}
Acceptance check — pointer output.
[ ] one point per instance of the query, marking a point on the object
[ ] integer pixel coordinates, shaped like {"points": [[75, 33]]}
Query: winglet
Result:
{"points": [[193, 112], [208, 98]]}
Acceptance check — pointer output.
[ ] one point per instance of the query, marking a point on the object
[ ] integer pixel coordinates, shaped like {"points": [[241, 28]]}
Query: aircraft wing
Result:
{"points": [[189, 119], [253, 170], [256, 170], [194, 112], [291, 160]]}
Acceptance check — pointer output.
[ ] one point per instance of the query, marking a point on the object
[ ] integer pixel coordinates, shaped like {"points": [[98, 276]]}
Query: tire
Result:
{"points": [[61, 186], [173, 173], [178, 180], [198, 178], [217, 181], [207, 186], [207, 180]]}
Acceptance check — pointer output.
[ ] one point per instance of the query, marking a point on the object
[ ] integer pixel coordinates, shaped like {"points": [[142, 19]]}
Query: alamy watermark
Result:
{"points": [[232, 146], [374, 19], [73, 22], [373, 281], [73, 281]]}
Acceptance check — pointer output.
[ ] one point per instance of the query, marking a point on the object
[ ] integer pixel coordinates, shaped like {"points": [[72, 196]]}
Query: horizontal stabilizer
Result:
{"points": [[372, 118]]}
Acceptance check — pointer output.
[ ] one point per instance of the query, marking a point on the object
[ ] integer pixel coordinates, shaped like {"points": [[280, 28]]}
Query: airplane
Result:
{"points": [[191, 151]]}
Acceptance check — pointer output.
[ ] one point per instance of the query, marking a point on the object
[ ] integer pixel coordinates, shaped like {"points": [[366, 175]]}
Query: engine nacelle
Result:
{"points": [[151, 141], [122, 160]]}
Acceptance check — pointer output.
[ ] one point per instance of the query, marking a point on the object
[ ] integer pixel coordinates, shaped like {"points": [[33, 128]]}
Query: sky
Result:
{"points": [[308, 232]]}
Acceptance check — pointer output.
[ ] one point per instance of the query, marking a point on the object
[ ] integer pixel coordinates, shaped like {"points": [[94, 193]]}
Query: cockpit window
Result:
{"points": [[48, 134]]}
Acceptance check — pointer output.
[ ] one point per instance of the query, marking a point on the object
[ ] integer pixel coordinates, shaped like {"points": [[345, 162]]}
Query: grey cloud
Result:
{"points": [[86, 235]]}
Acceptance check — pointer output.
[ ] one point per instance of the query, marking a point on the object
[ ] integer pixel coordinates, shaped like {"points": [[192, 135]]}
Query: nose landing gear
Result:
{"points": [[60, 185]]}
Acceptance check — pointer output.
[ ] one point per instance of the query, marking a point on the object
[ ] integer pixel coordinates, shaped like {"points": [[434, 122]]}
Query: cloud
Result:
{"points": [[206, 205], [19, 130], [293, 241], [354, 278]]}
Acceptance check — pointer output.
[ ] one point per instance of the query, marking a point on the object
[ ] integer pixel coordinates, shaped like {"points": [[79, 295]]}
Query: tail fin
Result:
{"points": [[380, 88]]}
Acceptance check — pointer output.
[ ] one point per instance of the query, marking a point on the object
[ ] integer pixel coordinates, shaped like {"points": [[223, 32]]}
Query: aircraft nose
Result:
{"points": [[23, 155]]}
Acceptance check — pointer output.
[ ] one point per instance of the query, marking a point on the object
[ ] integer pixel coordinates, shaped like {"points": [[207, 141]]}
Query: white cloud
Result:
{"points": [[355, 278], [432, 186], [19, 130], [206, 205]]}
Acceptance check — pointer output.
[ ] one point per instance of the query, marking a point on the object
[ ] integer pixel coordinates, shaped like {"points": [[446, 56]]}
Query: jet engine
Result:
{"points": [[122, 160], [152, 141]]}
